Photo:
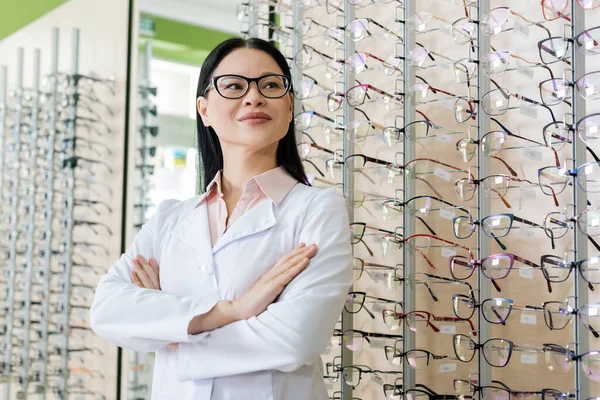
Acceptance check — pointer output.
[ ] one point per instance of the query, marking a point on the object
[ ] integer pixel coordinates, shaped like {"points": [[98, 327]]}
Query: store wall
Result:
{"points": [[104, 27], [15, 14]]}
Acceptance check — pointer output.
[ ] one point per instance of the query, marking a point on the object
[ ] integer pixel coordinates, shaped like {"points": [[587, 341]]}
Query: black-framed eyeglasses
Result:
{"points": [[557, 269], [230, 86]]}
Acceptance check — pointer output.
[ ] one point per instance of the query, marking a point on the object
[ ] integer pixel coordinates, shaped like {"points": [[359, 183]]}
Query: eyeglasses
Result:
{"points": [[357, 63], [557, 269], [373, 270], [417, 321], [554, 9], [494, 267], [557, 134], [304, 89], [354, 339], [497, 102], [494, 186], [495, 310], [556, 48], [304, 121], [356, 96], [557, 178], [331, 6], [560, 359], [394, 208], [414, 394], [359, 29], [495, 64], [304, 57], [273, 86], [555, 91], [418, 55], [496, 352], [494, 21], [356, 300], [467, 388], [418, 22], [557, 224], [416, 130], [417, 359]]}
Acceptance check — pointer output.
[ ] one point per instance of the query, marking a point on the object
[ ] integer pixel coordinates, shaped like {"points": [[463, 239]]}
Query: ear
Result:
{"points": [[202, 106], [291, 107]]}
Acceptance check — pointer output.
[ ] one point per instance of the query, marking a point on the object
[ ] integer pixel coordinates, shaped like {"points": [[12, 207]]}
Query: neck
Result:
{"points": [[238, 168]]}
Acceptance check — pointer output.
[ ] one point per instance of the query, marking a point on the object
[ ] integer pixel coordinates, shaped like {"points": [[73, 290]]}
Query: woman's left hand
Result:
{"points": [[145, 273]]}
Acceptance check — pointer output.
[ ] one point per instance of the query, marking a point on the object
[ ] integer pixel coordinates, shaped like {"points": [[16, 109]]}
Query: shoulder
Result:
{"points": [[172, 211], [308, 201]]}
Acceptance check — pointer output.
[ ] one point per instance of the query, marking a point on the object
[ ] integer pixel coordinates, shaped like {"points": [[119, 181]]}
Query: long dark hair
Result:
{"points": [[210, 155]]}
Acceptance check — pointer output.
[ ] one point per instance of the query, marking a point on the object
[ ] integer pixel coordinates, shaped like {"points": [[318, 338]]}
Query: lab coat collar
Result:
{"points": [[194, 230]]}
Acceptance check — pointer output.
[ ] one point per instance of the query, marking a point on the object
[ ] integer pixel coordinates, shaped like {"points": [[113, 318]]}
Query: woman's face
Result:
{"points": [[230, 117]]}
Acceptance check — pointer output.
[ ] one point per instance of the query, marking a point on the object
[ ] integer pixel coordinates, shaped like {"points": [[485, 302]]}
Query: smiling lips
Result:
{"points": [[255, 118]]}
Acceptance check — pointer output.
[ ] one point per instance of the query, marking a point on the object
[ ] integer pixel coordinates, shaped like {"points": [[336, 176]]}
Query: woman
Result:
{"points": [[231, 300]]}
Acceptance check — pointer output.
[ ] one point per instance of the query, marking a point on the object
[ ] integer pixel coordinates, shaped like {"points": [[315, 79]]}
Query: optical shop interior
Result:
{"points": [[463, 135]]}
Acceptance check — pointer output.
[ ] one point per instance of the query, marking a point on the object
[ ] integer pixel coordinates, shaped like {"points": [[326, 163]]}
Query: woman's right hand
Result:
{"points": [[270, 285]]}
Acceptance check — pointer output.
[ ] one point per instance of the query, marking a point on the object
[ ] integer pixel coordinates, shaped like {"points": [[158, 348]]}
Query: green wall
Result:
{"points": [[181, 42], [15, 14]]}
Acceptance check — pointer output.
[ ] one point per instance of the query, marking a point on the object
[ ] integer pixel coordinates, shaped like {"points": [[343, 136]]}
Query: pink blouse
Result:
{"points": [[273, 184]]}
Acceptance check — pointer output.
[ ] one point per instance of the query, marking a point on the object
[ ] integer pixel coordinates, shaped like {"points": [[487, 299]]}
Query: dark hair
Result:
{"points": [[210, 155]]}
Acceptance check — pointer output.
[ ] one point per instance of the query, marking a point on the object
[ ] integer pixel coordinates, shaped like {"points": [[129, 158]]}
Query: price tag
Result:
{"points": [[442, 174], [528, 358], [377, 343], [448, 329], [443, 138], [521, 28], [447, 214], [526, 233], [529, 111], [533, 154], [376, 379], [528, 319], [527, 72], [447, 368], [527, 193], [446, 252]]}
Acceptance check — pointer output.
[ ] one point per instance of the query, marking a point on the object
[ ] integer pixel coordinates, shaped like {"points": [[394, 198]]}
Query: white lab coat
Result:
{"points": [[275, 355]]}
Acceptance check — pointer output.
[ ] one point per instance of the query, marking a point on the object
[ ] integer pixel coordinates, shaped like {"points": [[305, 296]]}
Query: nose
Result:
{"points": [[254, 97]]}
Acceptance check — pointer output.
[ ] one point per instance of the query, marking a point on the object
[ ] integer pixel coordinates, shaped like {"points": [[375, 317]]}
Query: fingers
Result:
{"points": [[150, 270], [135, 279], [291, 259], [287, 276], [145, 273]]}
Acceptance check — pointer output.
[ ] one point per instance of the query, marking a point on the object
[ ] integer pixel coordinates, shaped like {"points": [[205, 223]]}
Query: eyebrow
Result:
{"points": [[259, 75]]}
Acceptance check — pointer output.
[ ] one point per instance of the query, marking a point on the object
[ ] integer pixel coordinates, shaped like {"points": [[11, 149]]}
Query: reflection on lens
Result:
{"points": [[588, 86], [493, 393], [392, 136], [587, 177], [417, 359], [393, 355], [556, 135], [463, 306], [464, 347], [463, 227], [351, 376], [553, 50], [558, 359], [303, 150], [495, 102], [391, 209], [467, 149], [463, 31], [496, 310], [497, 352], [357, 131], [496, 267], [495, 64], [391, 65], [353, 341], [492, 142], [496, 225], [493, 21], [557, 223], [356, 96], [588, 129], [589, 41], [357, 29], [417, 321], [590, 269], [354, 302], [356, 63], [553, 180], [418, 93], [463, 110], [554, 9], [590, 362], [417, 56], [464, 70], [554, 91], [358, 268], [496, 186], [465, 189], [334, 101]]}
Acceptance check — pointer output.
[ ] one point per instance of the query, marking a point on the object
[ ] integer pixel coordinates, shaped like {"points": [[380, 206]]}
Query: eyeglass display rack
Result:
{"points": [[472, 89], [140, 365], [55, 236]]}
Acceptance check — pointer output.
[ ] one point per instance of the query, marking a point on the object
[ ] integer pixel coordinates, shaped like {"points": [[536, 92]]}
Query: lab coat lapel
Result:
{"points": [[194, 230], [255, 220]]}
